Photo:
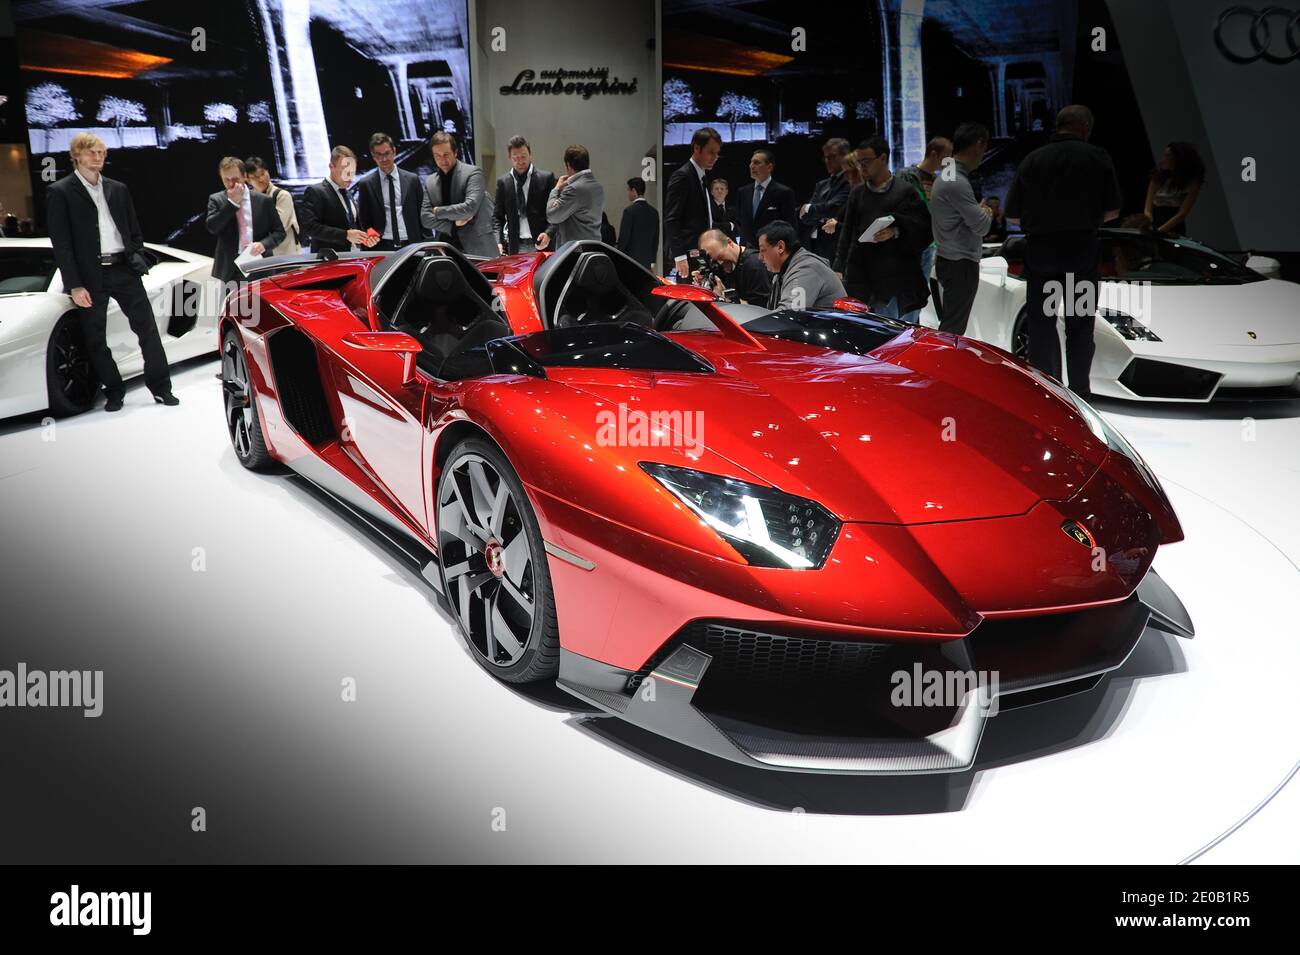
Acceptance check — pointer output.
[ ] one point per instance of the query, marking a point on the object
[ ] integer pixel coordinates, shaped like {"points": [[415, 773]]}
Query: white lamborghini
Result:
{"points": [[1176, 320], [43, 359]]}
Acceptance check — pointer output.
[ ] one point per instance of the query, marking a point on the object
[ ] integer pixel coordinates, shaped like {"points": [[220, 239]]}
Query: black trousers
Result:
{"points": [[960, 279], [124, 287], [1062, 269]]}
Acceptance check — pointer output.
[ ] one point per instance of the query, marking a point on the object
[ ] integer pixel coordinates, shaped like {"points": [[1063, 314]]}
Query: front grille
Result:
{"points": [[752, 657], [1160, 379]]}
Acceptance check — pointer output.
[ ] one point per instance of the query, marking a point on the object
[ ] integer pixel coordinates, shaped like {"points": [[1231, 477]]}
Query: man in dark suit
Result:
{"points": [[328, 214], [724, 209], [764, 200], [525, 188], [98, 248], [829, 198], [688, 211], [389, 198], [243, 220], [638, 233]]}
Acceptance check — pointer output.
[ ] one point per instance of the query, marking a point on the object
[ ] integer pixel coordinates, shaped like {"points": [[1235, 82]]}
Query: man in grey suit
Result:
{"points": [[456, 206], [800, 278], [575, 204]]}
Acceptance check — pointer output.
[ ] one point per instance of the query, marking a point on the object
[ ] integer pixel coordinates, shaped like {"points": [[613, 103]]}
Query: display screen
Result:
{"points": [[171, 88]]}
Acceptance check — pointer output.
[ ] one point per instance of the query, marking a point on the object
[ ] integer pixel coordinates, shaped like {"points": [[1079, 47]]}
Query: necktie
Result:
{"points": [[239, 219], [521, 200], [347, 205], [392, 207], [758, 196], [708, 200]]}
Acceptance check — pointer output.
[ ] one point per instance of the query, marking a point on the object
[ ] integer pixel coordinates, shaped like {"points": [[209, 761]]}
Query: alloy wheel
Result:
{"points": [[487, 562]]}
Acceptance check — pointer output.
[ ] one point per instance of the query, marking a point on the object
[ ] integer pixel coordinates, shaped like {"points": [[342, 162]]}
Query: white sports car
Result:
{"points": [[43, 360], [1176, 320]]}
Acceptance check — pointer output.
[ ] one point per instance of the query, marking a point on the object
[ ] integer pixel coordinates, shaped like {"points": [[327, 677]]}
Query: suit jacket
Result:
{"points": [[574, 212], [806, 282], [686, 212], [323, 218], [829, 198], [777, 204], [73, 224], [638, 233], [223, 222], [724, 217], [505, 215], [372, 203], [469, 200]]}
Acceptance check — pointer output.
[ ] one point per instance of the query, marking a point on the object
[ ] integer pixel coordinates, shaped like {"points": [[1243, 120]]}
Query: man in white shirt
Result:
{"points": [[328, 213], [389, 198], [100, 252], [688, 210]]}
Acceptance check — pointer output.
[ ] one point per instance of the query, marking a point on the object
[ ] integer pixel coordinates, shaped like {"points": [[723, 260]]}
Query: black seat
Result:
{"points": [[446, 315], [594, 294]]}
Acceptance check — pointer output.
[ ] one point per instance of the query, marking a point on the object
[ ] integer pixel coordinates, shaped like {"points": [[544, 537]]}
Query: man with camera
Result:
{"points": [[729, 267], [101, 255]]}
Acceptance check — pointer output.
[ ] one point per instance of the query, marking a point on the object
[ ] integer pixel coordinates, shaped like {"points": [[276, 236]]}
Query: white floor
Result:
{"points": [[223, 686]]}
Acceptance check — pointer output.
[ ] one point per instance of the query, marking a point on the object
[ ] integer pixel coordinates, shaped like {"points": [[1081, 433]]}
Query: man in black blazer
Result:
{"points": [[688, 210], [98, 248], [328, 214], [243, 220], [389, 198], [829, 198], [517, 233], [764, 200], [638, 233]]}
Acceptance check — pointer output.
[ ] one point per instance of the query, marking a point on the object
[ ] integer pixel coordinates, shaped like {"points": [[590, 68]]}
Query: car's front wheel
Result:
{"points": [[241, 415], [493, 563], [1020, 336], [69, 376]]}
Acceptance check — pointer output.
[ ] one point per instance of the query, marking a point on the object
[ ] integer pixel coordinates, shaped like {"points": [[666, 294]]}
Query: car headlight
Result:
{"points": [[767, 527], [1127, 326]]}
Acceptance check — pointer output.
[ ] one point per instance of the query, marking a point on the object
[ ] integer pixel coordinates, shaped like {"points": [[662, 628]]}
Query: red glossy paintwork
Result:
{"points": [[951, 466]]}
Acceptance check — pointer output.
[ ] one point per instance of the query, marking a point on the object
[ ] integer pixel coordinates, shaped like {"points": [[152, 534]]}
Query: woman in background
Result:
{"points": [[1174, 188]]}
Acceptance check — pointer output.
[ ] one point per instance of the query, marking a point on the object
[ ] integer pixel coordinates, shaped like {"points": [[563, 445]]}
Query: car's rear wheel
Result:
{"points": [[69, 376], [493, 563], [241, 415]]}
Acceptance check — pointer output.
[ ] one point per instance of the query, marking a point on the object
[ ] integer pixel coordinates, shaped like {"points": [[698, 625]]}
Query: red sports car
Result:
{"points": [[813, 540]]}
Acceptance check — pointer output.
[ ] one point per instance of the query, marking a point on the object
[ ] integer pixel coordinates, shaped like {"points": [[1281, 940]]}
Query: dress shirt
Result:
{"points": [[110, 239]]}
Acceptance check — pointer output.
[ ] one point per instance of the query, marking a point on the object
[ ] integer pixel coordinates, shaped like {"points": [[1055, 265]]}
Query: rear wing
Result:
{"points": [[263, 268]]}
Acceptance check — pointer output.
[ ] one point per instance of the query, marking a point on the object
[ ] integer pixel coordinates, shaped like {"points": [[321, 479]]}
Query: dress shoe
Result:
{"points": [[167, 398], [114, 404]]}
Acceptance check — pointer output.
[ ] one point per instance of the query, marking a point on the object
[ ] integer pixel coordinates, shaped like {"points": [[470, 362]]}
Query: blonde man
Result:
{"points": [[100, 253]]}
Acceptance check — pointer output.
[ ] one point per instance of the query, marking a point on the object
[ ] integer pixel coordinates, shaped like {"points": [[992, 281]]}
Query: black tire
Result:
{"points": [[1020, 336], [510, 648], [70, 379], [242, 422]]}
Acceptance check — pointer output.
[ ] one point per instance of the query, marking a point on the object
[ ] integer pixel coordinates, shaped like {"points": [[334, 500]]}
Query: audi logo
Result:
{"points": [[1268, 29]]}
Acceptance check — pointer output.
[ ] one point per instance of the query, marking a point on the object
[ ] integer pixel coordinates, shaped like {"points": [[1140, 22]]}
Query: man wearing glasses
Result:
{"points": [[885, 230]]}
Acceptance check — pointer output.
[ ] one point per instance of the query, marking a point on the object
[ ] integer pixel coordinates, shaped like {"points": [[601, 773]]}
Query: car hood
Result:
{"points": [[1194, 318], [940, 429]]}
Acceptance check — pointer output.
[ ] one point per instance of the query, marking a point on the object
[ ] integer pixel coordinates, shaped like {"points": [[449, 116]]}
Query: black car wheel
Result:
{"points": [[1020, 336], [493, 563], [241, 416], [69, 376]]}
